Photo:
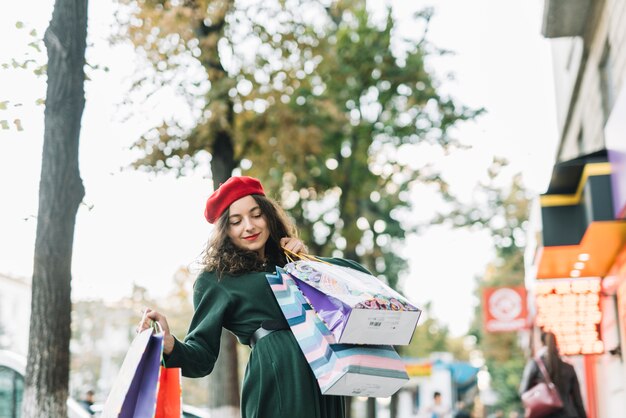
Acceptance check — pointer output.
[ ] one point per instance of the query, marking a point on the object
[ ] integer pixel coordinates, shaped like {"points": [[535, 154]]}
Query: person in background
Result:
{"points": [[437, 409], [87, 402], [248, 242], [562, 375]]}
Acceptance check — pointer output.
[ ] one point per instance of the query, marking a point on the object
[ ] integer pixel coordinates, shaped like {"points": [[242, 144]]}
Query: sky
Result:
{"points": [[501, 63]]}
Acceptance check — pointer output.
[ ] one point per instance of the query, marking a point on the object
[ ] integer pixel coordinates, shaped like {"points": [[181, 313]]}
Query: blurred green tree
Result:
{"points": [[332, 113], [508, 224]]}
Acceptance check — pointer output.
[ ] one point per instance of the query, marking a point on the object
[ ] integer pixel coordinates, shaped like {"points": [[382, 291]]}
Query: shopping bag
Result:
{"points": [[169, 400], [543, 399], [356, 307], [134, 391], [340, 369]]}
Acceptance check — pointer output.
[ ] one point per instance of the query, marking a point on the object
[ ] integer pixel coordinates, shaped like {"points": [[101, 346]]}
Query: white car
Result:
{"points": [[12, 370], [188, 411]]}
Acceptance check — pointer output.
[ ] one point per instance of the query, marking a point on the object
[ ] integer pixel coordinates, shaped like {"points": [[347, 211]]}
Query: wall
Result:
{"points": [[587, 114]]}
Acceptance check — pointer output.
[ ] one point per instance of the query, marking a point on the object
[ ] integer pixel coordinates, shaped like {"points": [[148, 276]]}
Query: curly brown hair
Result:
{"points": [[223, 257]]}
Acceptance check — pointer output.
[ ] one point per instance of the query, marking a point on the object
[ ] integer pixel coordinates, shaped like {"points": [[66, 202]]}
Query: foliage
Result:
{"points": [[32, 60], [503, 354], [323, 104]]}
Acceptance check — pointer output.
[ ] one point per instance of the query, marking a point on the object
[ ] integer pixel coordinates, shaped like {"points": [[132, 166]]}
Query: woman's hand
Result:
{"points": [[294, 245], [150, 315]]}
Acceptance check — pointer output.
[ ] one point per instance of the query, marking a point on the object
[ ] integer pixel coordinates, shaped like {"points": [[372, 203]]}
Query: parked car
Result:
{"points": [[12, 370], [188, 411], [193, 412]]}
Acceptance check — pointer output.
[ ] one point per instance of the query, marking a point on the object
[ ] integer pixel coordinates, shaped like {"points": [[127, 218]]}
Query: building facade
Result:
{"points": [[577, 270]]}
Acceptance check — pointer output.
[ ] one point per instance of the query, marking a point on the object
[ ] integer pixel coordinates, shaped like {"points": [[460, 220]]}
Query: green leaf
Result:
{"points": [[3, 105], [19, 24], [35, 46]]}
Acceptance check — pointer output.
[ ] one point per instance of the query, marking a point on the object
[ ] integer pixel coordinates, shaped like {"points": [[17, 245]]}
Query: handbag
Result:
{"points": [[142, 386], [543, 398]]}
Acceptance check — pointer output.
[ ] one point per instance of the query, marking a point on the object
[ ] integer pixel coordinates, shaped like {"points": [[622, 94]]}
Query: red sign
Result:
{"points": [[570, 308], [505, 308]]}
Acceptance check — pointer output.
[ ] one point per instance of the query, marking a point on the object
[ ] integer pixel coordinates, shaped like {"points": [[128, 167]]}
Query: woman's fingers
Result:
{"points": [[148, 316], [161, 319], [294, 245]]}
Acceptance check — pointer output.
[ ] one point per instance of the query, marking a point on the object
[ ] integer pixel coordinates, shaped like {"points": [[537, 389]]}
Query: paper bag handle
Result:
{"points": [[156, 327], [302, 256]]}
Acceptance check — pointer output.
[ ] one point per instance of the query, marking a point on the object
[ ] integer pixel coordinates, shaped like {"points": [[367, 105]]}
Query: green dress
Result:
{"points": [[278, 381]]}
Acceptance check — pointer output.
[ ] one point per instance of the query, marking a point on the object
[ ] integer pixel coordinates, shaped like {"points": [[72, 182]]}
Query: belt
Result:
{"points": [[266, 328]]}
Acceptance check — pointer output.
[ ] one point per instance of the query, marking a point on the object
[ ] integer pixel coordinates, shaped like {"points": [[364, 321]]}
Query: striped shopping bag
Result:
{"points": [[340, 369]]}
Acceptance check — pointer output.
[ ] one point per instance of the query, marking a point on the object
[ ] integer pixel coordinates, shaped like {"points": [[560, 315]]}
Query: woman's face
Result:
{"points": [[247, 227]]}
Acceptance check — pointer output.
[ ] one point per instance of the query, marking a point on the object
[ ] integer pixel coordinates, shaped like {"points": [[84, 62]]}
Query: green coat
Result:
{"points": [[278, 381]]}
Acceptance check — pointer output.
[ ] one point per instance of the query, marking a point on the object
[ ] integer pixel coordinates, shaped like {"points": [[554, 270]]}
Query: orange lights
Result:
{"points": [[571, 309], [592, 257]]}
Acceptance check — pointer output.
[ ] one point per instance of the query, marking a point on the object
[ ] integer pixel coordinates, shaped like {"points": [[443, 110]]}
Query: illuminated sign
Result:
{"points": [[504, 308], [570, 308]]}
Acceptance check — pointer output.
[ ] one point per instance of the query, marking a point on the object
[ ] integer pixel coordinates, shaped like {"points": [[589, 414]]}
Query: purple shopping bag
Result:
{"points": [[134, 391]]}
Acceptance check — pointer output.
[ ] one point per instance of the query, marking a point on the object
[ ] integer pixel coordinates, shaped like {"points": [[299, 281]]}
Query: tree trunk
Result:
{"points": [[224, 380], [60, 192]]}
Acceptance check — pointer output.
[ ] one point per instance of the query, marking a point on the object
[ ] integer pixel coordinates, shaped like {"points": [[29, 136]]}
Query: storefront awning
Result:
{"points": [[592, 257], [579, 194]]}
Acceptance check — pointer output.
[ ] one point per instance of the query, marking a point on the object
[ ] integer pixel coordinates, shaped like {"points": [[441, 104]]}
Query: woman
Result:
{"points": [[562, 375], [232, 292]]}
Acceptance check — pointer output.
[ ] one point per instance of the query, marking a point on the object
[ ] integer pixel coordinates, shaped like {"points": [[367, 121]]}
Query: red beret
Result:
{"points": [[231, 190]]}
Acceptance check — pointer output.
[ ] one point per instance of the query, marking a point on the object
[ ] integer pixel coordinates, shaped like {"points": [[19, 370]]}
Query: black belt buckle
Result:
{"points": [[266, 328]]}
